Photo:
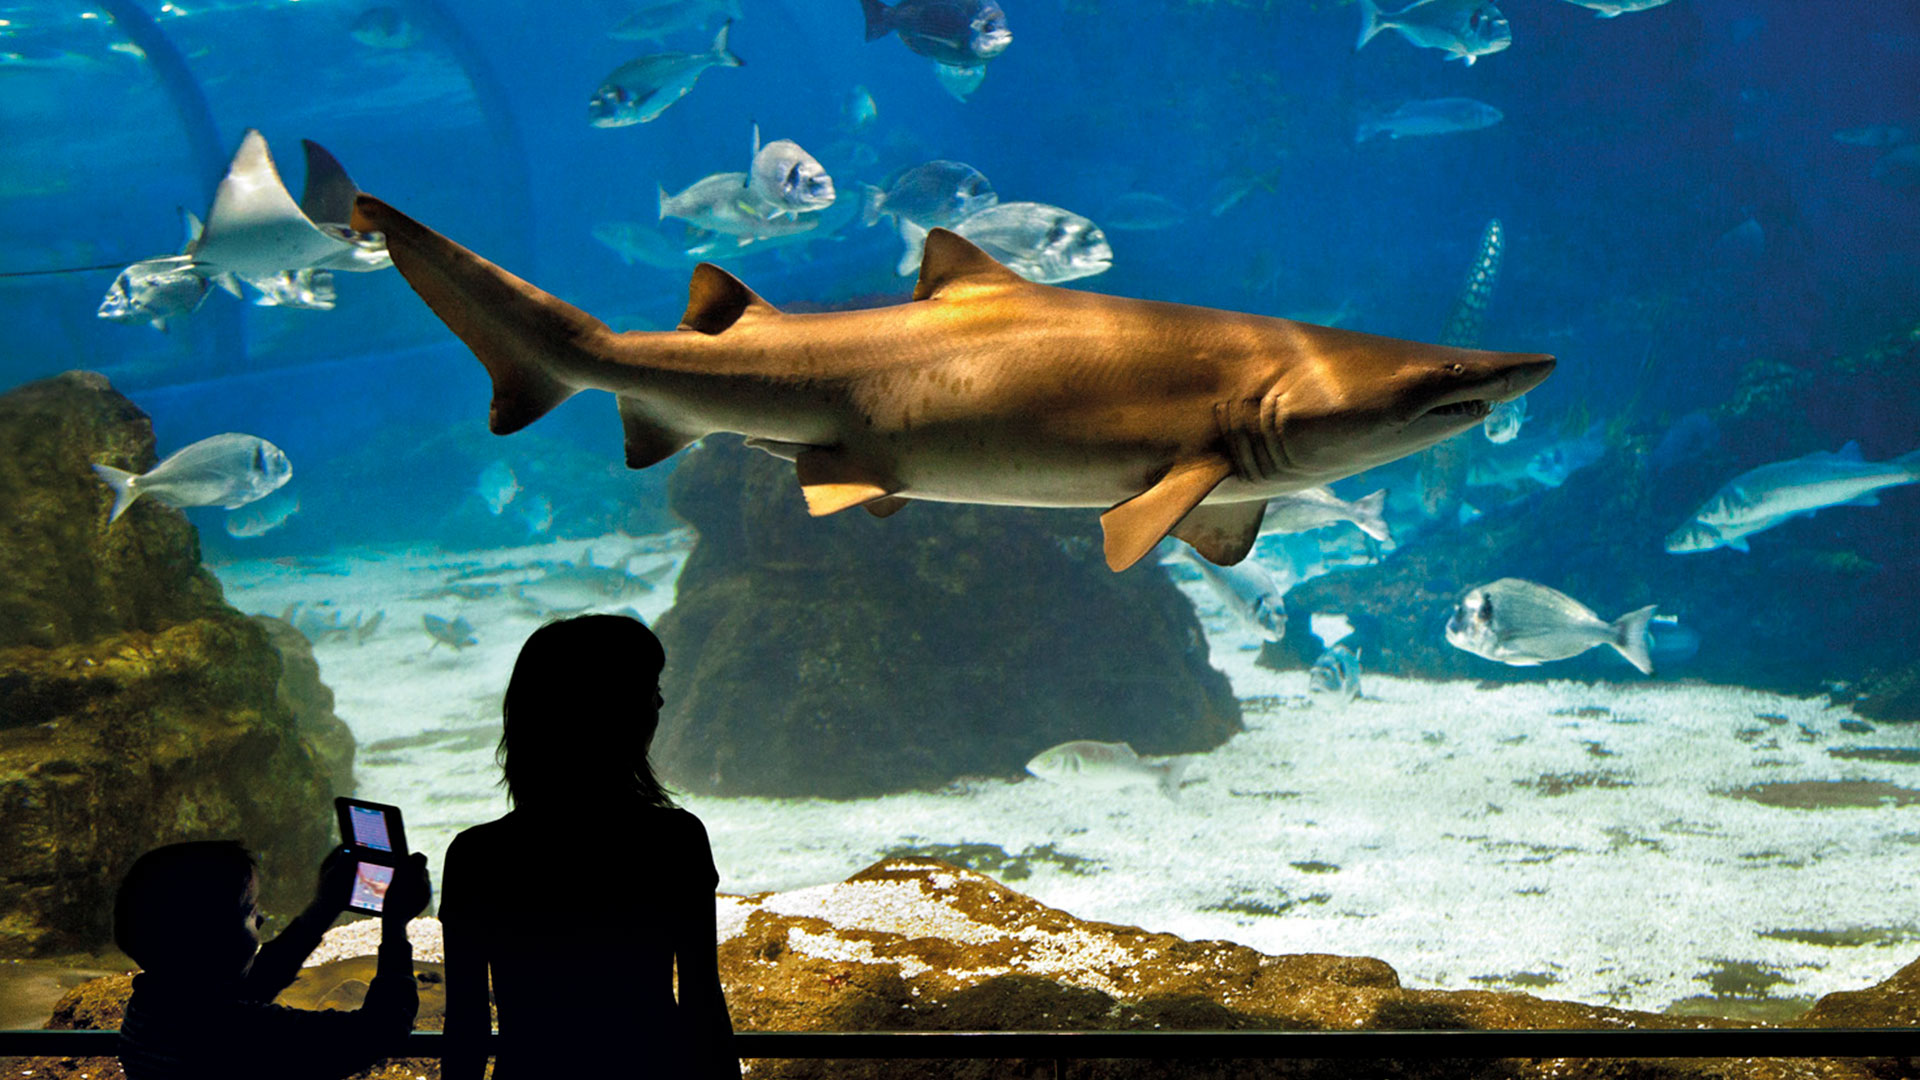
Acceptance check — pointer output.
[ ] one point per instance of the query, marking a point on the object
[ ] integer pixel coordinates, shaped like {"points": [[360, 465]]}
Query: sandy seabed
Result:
{"points": [[1634, 844]]}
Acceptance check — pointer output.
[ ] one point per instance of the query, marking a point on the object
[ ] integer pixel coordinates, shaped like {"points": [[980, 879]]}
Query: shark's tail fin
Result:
{"points": [[1370, 23], [121, 481], [519, 333], [1630, 637], [879, 19], [1370, 514]]}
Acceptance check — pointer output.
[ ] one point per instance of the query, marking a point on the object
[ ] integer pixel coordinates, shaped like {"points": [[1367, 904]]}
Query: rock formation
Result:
{"points": [[920, 945], [848, 656], [136, 707]]}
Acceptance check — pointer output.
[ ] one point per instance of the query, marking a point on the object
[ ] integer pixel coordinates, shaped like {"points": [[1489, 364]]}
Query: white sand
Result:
{"points": [[1413, 825]]}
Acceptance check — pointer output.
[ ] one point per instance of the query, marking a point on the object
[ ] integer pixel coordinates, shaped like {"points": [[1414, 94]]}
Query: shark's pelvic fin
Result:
{"points": [[519, 333], [649, 442], [951, 266], [717, 300], [833, 482], [328, 197], [1133, 527], [1222, 534], [886, 507]]}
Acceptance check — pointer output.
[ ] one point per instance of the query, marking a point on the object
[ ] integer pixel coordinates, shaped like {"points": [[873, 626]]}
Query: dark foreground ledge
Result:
{"points": [[1175, 1045]]}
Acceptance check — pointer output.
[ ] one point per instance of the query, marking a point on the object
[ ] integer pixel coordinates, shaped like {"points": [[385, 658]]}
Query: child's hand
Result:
{"points": [[335, 887], [410, 892]]}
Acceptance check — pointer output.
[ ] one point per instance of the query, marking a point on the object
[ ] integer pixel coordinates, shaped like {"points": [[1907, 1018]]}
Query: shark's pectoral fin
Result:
{"points": [[1133, 527], [519, 333], [833, 482], [648, 441], [1222, 534], [717, 300], [888, 506]]}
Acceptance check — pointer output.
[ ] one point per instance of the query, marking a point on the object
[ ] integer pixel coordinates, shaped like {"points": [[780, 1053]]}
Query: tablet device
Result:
{"points": [[375, 836]]}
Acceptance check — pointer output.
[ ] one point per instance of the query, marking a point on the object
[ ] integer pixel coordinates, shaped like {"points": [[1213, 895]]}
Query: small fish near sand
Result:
{"points": [[1106, 766], [262, 517], [1523, 623], [641, 89], [1336, 674], [497, 487], [573, 588], [456, 634], [228, 470], [1464, 29]]}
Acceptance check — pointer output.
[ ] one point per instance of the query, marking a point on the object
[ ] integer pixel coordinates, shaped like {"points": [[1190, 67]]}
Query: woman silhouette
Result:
{"points": [[586, 900]]}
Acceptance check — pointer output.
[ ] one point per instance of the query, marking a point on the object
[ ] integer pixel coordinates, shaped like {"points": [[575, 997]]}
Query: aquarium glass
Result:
{"points": [[1707, 211]]}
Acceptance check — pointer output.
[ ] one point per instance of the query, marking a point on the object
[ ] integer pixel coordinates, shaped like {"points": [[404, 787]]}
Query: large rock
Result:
{"points": [[136, 707], [848, 656], [921, 945]]}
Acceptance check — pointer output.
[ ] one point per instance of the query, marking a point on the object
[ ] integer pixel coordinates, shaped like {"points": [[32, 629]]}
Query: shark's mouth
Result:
{"points": [[1476, 409]]}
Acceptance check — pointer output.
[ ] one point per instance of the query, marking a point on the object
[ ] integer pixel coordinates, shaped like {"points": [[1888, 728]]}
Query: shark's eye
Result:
{"points": [[1457, 369]]}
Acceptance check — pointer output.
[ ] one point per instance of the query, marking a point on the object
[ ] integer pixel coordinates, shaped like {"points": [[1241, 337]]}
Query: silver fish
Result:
{"points": [[1318, 507], [934, 195], [537, 514], [497, 486], [959, 81], [1503, 424], [786, 179], [1433, 116], [1523, 623], [308, 290], [1336, 673], [639, 90], [228, 470], [1105, 766], [456, 634], [262, 517], [571, 588], [1761, 498], [721, 203], [383, 27], [661, 19], [961, 33], [1143, 211], [1465, 29], [1252, 596], [1607, 9], [637, 241], [155, 291], [1039, 242]]}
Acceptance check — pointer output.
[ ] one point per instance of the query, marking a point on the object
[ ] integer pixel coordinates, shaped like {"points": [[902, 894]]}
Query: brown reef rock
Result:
{"points": [[136, 707], [846, 656], [921, 945]]}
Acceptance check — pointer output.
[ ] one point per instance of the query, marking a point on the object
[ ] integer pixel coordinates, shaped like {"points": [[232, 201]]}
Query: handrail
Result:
{"points": [[1084, 1045]]}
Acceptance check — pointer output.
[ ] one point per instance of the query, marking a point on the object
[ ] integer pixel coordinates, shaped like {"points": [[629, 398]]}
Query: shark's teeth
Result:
{"points": [[1462, 408]]}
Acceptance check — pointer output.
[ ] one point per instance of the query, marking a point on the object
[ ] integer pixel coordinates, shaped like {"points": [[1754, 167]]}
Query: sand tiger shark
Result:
{"points": [[987, 388]]}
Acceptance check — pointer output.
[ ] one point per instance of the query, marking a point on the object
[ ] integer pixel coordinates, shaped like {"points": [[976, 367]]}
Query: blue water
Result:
{"points": [[1674, 203]]}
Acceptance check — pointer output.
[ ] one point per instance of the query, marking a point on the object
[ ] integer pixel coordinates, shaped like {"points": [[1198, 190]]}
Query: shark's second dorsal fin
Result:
{"points": [[951, 262], [328, 196], [717, 300]]}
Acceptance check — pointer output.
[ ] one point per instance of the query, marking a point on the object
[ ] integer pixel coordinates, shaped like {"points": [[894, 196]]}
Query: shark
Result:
{"points": [[985, 388]]}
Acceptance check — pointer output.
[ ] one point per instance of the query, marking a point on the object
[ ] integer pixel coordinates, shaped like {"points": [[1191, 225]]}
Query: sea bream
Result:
{"points": [[1464, 29], [957, 33], [938, 194], [1433, 116], [1106, 766], [1041, 243], [641, 89], [785, 179], [1761, 498], [228, 470], [1319, 507], [987, 388], [1524, 623], [723, 203], [657, 20]]}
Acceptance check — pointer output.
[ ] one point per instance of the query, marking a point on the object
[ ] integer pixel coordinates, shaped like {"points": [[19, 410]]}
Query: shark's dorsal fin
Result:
{"points": [[1222, 534], [717, 300], [1132, 528], [328, 198], [952, 263]]}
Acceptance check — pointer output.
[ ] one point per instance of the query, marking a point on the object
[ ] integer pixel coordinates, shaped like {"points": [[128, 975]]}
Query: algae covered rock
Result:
{"points": [[136, 707], [848, 656]]}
